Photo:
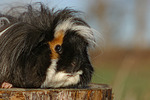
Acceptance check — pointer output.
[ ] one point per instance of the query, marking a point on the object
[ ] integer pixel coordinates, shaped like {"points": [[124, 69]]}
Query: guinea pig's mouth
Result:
{"points": [[74, 74]]}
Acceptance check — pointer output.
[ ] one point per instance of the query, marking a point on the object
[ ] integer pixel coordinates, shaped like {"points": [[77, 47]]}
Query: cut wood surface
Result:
{"points": [[94, 92]]}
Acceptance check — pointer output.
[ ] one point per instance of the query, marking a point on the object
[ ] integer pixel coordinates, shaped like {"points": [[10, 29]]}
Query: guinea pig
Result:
{"points": [[45, 48]]}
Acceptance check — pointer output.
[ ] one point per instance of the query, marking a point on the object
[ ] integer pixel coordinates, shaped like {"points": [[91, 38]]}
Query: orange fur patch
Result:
{"points": [[58, 40]]}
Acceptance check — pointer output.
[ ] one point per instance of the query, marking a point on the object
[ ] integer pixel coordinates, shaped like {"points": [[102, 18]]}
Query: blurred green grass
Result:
{"points": [[104, 75], [135, 87]]}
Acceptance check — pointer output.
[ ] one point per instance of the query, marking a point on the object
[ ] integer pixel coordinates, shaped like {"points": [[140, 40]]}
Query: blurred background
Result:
{"points": [[122, 60]]}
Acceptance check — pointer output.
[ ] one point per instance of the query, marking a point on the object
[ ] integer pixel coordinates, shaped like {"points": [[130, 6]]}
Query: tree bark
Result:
{"points": [[94, 92]]}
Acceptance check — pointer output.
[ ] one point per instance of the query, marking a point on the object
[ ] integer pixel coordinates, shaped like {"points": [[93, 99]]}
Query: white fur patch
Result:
{"points": [[84, 31], [59, 79]]}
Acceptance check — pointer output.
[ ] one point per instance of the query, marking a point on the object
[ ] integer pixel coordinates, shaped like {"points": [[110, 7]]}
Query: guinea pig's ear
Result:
{"points": [[42, 38]]}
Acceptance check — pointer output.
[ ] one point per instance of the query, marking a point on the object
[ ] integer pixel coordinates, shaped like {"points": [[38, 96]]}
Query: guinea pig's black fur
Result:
{"points": [[43, 48]]}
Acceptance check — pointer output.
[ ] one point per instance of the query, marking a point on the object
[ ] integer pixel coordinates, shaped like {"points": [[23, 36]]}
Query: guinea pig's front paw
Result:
{"points": [[6, 85]]}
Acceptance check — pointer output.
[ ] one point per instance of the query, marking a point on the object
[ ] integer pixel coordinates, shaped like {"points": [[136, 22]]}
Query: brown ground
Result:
{"points": [[116, 56]]}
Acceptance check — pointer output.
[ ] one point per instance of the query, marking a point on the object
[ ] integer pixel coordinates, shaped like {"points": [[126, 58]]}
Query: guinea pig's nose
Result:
{"points": [[73, 64]]}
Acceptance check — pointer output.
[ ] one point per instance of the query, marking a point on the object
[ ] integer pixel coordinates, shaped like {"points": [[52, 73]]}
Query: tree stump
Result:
{"points": [[94, 92]]}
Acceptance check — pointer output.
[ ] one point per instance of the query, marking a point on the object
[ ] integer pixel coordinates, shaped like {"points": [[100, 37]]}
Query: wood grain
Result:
{"points": [[94, 92]]}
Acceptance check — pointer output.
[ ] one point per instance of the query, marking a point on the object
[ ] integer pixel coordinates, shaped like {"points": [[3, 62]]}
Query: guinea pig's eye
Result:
{"points": [[58, 48]]}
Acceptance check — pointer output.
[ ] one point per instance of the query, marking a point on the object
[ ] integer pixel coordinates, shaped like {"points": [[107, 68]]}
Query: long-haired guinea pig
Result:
{"points": [[44, 48]]}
